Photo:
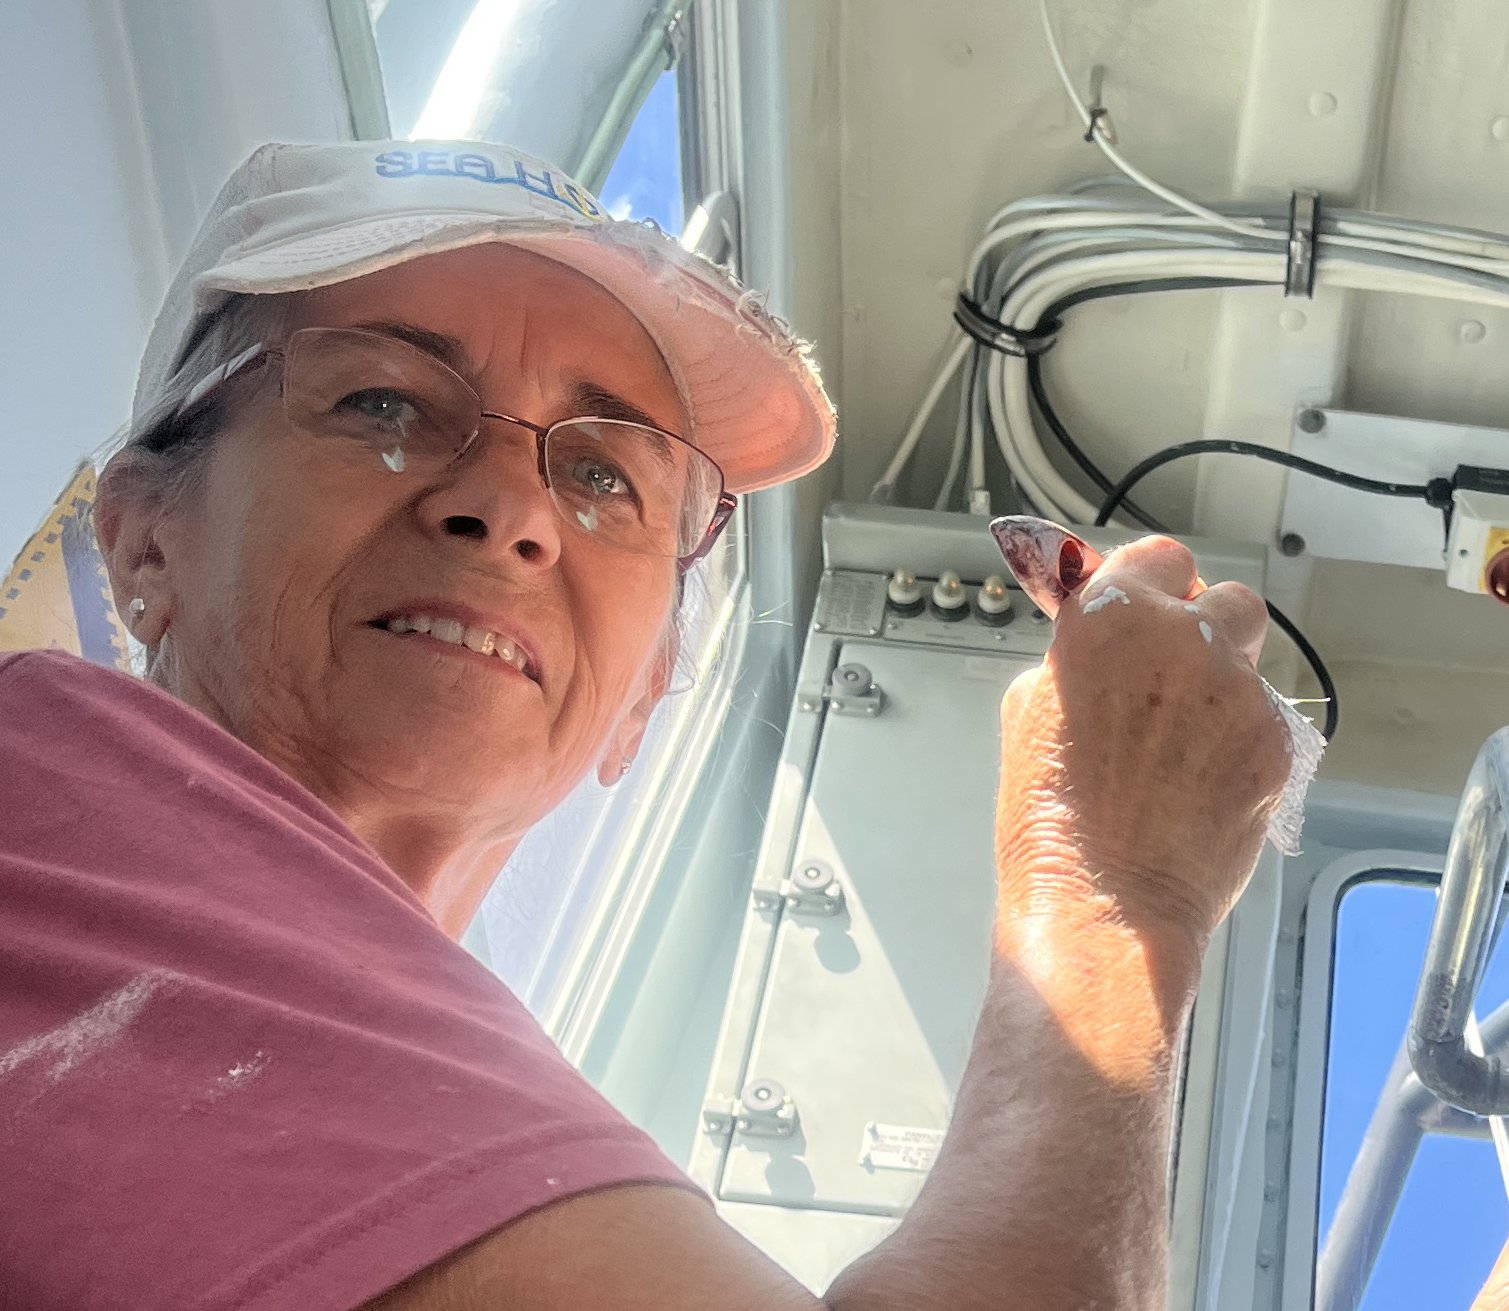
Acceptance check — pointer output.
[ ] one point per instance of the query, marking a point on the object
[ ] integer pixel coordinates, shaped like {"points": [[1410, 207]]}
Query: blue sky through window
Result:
{"points": [[645, 180], [1453, 1216]]}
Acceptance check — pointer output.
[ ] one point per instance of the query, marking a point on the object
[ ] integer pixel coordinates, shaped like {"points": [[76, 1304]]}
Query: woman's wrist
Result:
{"points": [[1117, 978]]}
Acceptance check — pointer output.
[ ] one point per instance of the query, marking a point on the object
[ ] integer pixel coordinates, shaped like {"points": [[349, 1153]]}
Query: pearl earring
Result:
{"points": [[138, 607]]}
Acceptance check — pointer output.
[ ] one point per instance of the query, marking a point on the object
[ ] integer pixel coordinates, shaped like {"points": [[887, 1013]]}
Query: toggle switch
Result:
{"points": [[993, 602], [949, 601], [904, 593]]}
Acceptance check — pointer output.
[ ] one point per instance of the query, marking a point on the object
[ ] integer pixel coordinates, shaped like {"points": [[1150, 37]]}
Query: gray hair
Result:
{"points": [[162, 452]]}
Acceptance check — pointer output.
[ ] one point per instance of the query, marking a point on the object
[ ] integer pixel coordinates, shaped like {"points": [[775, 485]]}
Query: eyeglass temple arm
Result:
{"points": [[727, 504]]}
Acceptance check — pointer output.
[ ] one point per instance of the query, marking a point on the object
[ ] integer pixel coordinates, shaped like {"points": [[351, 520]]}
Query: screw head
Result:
{"points": [[813, 877], [763, 1094], [1311, 421], [1291, 544]]}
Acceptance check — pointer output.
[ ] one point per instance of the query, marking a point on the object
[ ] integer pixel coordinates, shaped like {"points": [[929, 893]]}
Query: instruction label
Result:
{"points": [[899, 1147]]}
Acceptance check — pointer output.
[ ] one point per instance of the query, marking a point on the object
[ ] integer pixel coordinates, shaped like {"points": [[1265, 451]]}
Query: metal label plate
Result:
{"points": [[900, 1147], [850, 603]]}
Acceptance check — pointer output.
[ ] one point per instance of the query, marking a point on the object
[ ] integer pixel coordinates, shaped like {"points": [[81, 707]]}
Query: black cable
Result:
{"points": [[1222, 446], [1412, 491], [1039, 392], [1087, 466], [1317, 665], [1050, 417]]}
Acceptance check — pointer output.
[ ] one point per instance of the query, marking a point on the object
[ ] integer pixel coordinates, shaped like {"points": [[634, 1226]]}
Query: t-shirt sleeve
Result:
{"points": [[240, 1066]]}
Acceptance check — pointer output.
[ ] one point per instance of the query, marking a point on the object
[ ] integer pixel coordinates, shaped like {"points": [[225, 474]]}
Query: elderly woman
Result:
{"points": [[424, 448]]}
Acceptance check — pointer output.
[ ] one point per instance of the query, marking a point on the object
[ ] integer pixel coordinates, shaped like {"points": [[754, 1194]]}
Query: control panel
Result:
{"points": [[866, 941], [950, 609]]}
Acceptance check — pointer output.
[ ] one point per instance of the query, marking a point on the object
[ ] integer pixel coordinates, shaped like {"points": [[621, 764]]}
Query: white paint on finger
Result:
{"points": [[1107, 597], [1207, 632]]}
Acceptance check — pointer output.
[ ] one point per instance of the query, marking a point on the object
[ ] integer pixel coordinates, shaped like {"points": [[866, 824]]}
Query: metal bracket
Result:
{"points": [[852, 691], [813, 889], [763, 1111], [1304, 243]]}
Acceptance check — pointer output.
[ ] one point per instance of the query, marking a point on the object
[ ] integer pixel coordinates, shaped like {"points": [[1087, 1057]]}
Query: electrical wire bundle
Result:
{"points": [[1041, 257]]}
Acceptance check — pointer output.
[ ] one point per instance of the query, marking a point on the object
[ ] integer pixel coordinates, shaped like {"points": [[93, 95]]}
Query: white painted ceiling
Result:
{"points": [[916, 121]]}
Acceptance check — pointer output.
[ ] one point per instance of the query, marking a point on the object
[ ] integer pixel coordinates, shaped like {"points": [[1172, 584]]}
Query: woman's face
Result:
{"points": [[283, 564]]}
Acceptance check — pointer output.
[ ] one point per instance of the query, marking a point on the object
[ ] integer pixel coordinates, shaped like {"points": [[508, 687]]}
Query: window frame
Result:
{"points": [[1312, 1042], [1249, 1241]]}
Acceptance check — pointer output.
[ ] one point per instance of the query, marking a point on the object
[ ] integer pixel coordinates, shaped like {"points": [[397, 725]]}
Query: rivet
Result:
{"points": [[1311, 421], [1292, 320], [1291, 544], [1270, 1192], [1264, 1259], [1499, 129], [1471, 331], [1282, 998], [1322, 103]]}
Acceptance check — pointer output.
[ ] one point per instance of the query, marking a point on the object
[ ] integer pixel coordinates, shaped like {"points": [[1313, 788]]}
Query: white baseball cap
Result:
{"points": [[294, 217]]}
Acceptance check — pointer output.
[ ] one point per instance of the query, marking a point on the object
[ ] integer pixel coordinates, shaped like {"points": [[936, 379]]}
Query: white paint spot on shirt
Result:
{"points": [[242, 1073], [88, 1033], [1107, 597], [1207, 632], [552, 1183], [1193, 609]]}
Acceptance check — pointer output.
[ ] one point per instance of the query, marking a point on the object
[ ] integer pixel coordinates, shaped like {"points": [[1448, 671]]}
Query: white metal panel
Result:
{"points": [[868, 1015], [1340, 524]]}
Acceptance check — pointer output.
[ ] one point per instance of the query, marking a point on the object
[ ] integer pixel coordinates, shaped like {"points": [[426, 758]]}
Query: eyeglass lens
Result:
{"points": [[635, 488]]}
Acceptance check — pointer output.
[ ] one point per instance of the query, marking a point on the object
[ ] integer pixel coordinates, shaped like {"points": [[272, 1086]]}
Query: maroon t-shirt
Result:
{"points": [[240, 1066]]}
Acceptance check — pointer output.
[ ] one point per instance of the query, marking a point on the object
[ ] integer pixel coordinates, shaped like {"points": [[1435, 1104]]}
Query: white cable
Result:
{"points": [[961, 439], [956, 356], [1006, 383], [1039, 250], [1097, 134], [1011, 415]]}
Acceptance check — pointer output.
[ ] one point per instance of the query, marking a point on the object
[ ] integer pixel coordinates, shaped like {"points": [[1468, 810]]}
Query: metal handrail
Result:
{"points": [[1472, 885], [1405, 1113]]}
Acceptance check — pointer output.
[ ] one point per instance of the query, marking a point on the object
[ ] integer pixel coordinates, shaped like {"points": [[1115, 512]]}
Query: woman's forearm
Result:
{"points": [[1051, 1188]]}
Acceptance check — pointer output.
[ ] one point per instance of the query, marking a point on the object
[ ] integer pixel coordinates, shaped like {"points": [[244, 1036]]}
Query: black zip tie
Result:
{"points": [[994, 335], [1096, 114]]}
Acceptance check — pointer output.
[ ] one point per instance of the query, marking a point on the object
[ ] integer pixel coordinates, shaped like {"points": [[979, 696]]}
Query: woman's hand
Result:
{"points": [[1141, 763]]}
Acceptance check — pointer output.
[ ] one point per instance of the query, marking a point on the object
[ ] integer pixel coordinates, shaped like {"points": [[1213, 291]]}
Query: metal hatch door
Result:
{"points": [[868, 1013]]}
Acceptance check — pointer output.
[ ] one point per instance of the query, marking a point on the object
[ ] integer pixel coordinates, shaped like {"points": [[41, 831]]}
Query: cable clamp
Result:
{"points": [[1100, 117], [1304, 243], [1003, 337]]}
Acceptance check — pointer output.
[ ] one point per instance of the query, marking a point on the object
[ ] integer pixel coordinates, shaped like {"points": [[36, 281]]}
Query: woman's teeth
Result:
{"points": [[456, 633]]}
